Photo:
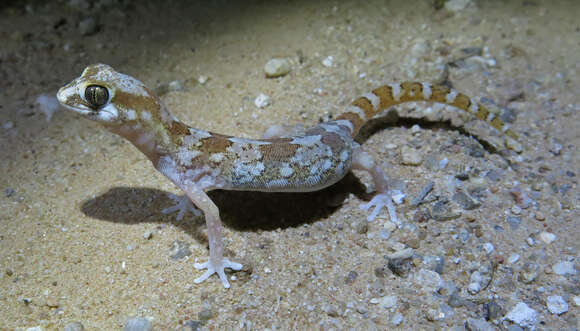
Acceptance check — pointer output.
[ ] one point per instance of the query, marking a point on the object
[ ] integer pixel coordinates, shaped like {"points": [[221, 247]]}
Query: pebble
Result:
{"points": [[205, 315], [174, 86], [564, 268], [475, 282], [410, 156], [262, 101], [330, 310], [148, 234], [202, 79], [557, 305], [88, 26], [513, 258], [328, 61], [397, 318], [576, 300], [74, 326], [138, 324], [400, 267], [465, 201], [48, 104], [473, 324], [488, 248], [179, 250], [528, 273], [547, 237], [388, 302], [362, 227], [514, 222], [514, 145], [530, 241], [493, 310], [277, 67], [428, 280], [523, 316]]}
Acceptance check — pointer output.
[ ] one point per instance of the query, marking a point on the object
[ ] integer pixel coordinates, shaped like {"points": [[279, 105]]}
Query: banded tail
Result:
{"points": [[371, 104]]}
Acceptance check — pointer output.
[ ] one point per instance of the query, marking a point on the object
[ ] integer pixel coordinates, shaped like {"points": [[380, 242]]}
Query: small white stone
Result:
{"points": [[277, 67], [397, 318], [516, 210], [389, 301], [202, 79], [530, 241], [576, 300], [262, 101], [328, 61], [547, 237], [523, 315], [564, 268], [415, 129], [390, 146], [513, 258], [428, 280], [474, 288], [488, 248], [410, 156], [557, 305]]}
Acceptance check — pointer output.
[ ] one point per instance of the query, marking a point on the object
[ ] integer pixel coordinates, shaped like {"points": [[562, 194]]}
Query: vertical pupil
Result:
{"points": [[96, 95]]}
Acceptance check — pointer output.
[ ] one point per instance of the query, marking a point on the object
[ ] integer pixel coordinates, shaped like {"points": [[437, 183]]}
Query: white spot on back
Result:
{"points": [[450, 97], [146, 116], [427, 91], [216, 157], [131, 115], [396, 90], [490, 116], [375, 101], [286, 170]]}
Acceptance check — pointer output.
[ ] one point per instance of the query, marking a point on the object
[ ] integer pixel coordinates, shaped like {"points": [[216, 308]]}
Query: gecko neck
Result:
{"points": [[153, 137]]}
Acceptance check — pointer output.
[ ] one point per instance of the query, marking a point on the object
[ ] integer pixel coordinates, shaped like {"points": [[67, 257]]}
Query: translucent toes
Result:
{"points": [[379, 201], [182, 205], [218, 268]]}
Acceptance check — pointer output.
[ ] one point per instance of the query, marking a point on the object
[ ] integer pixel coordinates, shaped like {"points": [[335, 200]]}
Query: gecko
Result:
{"points": [[285, 159]]}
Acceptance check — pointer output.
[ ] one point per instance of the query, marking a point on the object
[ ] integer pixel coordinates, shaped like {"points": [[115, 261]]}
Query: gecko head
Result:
{"points": [[109, 97]]}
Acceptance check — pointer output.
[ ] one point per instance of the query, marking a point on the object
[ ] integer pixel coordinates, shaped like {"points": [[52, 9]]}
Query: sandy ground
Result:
{"points": [[82, 238]]}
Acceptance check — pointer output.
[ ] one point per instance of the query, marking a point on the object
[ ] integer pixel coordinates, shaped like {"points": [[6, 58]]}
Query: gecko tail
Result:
{"points": [[371, 104]]}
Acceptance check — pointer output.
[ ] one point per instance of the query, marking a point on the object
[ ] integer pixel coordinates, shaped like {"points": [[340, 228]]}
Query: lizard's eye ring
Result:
{"points": [[96, 96]]}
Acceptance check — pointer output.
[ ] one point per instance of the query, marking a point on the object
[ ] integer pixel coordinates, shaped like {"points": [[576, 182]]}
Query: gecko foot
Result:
{"points": [[183, 205], [379, 201], [218, 268]]}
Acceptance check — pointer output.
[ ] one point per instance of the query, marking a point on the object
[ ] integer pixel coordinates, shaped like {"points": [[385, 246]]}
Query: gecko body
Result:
{"points": [[285, 160]]}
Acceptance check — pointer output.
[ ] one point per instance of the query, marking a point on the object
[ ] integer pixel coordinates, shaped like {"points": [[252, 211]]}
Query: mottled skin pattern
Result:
{"points": [[287, 160]]}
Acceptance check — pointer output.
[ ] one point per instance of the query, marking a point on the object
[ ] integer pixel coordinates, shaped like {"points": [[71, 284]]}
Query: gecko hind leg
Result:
{"points": [[384, 197], [182, 204]]}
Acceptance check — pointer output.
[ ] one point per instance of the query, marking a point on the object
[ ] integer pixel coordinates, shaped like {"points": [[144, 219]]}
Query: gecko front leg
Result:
{"points": [[216, 263], [194, 184], [362, 160]]}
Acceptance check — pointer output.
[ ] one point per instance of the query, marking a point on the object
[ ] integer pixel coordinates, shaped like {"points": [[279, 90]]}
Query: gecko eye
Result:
{"points": [[96, 96]]}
